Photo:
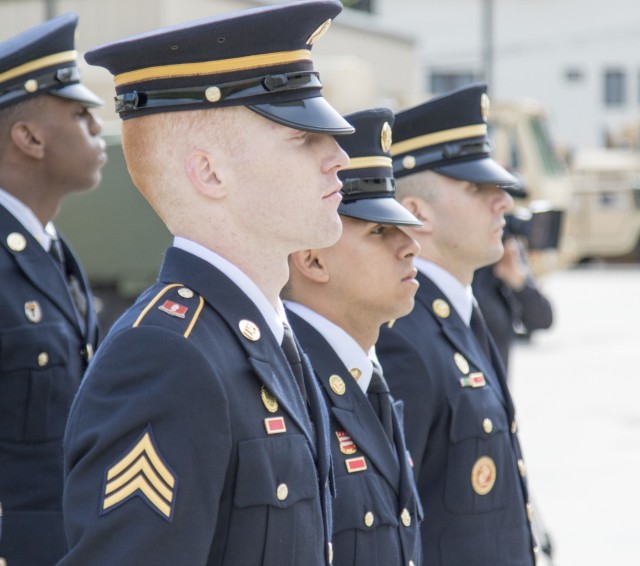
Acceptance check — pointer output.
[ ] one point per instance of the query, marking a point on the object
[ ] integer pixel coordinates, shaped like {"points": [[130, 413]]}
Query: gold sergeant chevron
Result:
{"points": [[141, 472]]}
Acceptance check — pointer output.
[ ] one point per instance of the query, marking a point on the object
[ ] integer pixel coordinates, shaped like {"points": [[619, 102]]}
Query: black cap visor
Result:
{"points": [[483, 171], [80, 93], [309, 115], [383, 210]]}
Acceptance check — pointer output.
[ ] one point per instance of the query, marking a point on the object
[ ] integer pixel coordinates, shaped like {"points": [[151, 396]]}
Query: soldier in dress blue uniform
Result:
{"points": [[49, 147], [191, 440], [459, 416], [339, 297]]}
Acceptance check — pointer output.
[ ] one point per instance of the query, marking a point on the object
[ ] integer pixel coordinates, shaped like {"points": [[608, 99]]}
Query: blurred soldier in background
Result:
{"points": [[509, 298], [440, 359], [199, 436], [49, 148], [338, 297]]}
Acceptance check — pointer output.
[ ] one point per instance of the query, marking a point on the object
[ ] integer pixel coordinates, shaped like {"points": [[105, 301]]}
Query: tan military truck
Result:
{"points": [[598, 192]]}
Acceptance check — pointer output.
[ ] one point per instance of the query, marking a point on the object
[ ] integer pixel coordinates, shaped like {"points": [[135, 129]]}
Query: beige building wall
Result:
{"points": [[361, 63]]}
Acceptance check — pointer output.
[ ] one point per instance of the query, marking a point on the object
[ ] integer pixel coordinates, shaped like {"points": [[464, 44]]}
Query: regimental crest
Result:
{"points": [[141, 472], [347, 445], [32, 311]]}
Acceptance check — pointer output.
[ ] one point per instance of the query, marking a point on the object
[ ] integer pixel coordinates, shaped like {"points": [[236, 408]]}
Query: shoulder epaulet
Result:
{"points": [[176, 301]]}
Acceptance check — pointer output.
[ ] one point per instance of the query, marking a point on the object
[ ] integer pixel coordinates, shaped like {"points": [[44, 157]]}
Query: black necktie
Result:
{"points": [[293, 357], [79, 300], [380, 399], [479, 329]]}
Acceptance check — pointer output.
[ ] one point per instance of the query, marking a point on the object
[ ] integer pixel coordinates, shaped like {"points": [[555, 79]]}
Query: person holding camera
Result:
{"points": [[510, 299], [440, 360]]}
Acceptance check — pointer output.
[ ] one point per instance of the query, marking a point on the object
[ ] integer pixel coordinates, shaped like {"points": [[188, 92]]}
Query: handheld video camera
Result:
{"points": [[539, 226]]}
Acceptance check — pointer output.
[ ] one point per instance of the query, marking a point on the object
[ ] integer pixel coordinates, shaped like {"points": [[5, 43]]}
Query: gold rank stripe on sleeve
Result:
{"points": [[212, 67], [141, 472], [36, 65], [412, 144]]}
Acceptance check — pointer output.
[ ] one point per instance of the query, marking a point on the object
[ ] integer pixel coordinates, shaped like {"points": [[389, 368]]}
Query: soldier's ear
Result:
{"points": [[27, 139], [310, 264], [420, 209], [204, 176]]}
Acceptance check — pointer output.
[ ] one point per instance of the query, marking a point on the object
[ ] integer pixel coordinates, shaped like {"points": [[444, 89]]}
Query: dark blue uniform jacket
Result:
{"points": [[385, 490], [189, 442], [43, 352], [463, 439]]}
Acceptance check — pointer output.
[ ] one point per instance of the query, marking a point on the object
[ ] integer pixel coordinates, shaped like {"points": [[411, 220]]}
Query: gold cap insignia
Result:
{"points": [[185, 293], [337, 385], [356, 373], [249, 330], [33, 311], [441, 308], [141, 472], [268, 400], [408, 161], [316, 35], [16, 241], [461, 362], [385, 137], [485, 105], [483, 475]]}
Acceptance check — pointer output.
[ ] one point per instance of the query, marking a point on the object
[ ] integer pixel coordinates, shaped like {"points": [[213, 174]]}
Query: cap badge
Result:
{"points": [[268, 400], [337, 385], [249, 330], [347, 445], [31, 85], [316, 35], [33, 311], [484, 106], [461, 362], [385, 137], [483, 475], [441, 308], [17, 242], [408, 161]]}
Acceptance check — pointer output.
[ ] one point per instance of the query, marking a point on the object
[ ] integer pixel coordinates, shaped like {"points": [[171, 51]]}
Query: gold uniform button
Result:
{"points": [[487, 426], [412, 563], [17, 242], [405, 517], [3, 562], [43, 359], [282, 492], [185, 293], [514, 426], [368, 518], [330, 553], [530, 511], [522, 468]]}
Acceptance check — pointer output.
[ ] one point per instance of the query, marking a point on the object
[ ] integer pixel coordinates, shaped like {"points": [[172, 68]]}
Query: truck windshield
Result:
{"points": [[548, 157]]}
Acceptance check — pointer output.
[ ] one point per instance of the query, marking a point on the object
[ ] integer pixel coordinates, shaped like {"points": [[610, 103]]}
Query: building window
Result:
{"points": [[441, 82], [573, 75], [615, 87], [361, 5]]}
